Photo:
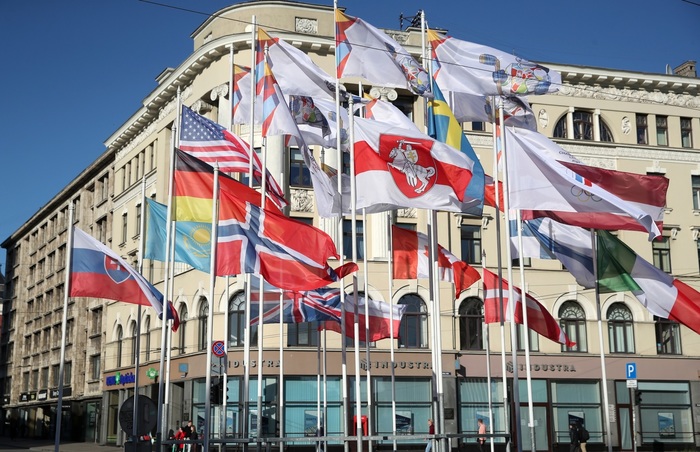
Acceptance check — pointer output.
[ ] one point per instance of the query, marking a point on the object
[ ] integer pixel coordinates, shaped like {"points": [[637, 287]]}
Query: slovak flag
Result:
{"points": [[97, 271], [397, 168], [538, 318], [412, 260]]}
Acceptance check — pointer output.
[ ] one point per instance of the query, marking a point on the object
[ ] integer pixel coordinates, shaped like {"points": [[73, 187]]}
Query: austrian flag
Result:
{"points": [[412, 260]]}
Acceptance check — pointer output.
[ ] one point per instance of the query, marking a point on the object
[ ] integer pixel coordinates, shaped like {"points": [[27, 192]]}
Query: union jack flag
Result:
{"points": [[289, 254], [298, 307]]}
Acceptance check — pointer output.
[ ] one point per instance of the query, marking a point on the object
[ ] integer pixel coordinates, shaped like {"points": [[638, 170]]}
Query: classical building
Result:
{"points": [[637, 122]]}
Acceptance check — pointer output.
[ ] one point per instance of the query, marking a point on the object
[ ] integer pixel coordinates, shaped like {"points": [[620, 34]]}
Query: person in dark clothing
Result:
{"points": [[574, 446]]}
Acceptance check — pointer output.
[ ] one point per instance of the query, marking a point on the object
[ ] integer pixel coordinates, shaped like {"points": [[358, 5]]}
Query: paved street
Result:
{"points": [[48, 446]]}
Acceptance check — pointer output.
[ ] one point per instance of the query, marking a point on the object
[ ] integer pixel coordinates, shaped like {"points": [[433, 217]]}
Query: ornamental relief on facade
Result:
{"points": [[612, 93], [302, 200], [398, 36], [308, 26]]}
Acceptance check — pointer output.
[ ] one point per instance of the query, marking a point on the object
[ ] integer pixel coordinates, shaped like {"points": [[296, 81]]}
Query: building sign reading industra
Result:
{"points": [[542, 367], [120, 379]]}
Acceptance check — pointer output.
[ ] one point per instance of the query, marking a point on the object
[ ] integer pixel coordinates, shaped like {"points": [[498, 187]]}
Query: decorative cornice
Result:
{"points": [[219, 91], [629, 95]]}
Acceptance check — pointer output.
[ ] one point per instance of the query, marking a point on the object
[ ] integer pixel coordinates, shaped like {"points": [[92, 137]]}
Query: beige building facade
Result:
{"points": [[622, 120]]}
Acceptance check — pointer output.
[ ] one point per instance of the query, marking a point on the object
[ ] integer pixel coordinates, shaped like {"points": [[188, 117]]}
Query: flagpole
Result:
{"points": [[356, 323], [167, 281], [248, 302], [511, 307], [368, 383], [391, 325], [64, 323], [487, 345], [526, 328], [499, 269], [210, 313], [341, 245], [604, 378]]}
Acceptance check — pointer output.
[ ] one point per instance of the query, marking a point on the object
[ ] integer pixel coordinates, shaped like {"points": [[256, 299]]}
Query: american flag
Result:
{"points": [[298, 307], [212, 143]]}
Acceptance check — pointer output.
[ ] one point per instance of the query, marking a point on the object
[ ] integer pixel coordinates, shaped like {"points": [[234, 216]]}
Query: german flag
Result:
{"points": [[194, 186]]}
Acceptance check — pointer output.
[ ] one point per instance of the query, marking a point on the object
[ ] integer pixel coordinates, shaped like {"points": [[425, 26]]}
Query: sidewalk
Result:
{"points": [[39, 445]]}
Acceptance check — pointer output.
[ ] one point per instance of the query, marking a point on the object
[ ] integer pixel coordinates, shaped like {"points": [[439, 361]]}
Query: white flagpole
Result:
{"points": [[511, 306], [487, 345], [247, 333], [210, 313], [604, 378], [391, 326], [341, 251], [526, 328], [499, 268], [64, 322], [281, 374], [167, 279]]}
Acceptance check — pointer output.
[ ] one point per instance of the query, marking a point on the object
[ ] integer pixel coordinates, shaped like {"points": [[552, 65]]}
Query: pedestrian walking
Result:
{"points": [[431, 431]]}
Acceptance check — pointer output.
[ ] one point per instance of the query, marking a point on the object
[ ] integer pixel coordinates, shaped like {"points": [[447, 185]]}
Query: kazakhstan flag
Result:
{"points": [[192, 239]]}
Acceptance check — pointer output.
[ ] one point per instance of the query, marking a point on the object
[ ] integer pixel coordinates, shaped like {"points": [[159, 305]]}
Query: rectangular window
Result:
{"points": [[347, 239], [95, 367], [661, 250], [662, 130], [44, 382], [302, 334], [668, 337], [642, 131], [54, 375], [695, 181], [686, 132], [34, 385], [299, 175], [478, 126], [125, 227], [138, 219], [25, 382], [471, 243], [533, 337]]}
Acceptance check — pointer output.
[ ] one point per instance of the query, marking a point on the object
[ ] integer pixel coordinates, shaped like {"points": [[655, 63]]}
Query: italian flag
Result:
{"points": [[621, 269]]}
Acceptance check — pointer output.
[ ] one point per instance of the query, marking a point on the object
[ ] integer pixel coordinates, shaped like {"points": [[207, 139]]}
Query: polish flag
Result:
{"points": [[411, 256]]}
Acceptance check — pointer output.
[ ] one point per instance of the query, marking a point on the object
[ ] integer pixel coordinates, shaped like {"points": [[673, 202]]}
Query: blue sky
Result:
{"points": [[75, 70]]}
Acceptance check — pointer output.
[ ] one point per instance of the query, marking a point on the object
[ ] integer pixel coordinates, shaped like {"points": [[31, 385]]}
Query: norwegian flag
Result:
{"points": [[289, 254], [297, 307], [212, 143]]}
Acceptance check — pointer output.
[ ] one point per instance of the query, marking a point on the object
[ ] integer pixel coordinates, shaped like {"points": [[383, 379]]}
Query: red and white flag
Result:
{"points": [[410, 252], [550, 182], [381, 317], [397, 167], [538, 318]]}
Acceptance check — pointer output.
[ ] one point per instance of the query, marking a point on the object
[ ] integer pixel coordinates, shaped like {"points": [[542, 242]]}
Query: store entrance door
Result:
{"points": [[541, 423]]}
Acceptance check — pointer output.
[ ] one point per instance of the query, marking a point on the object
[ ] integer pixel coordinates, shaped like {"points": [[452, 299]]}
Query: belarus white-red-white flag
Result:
{"points": [[544, 180], [397, 168], [411, 259], [538, 318], [381, 317]]}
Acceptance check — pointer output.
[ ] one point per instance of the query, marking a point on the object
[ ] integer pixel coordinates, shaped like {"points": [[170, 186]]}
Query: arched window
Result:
{"points": [[203, 339], [668, 337], [583, 127], [236, 322], [147, 342], [414, 324], [471, 321], [133, 342], [620, 329], [181, 331], [573, 322], [120, 341]]}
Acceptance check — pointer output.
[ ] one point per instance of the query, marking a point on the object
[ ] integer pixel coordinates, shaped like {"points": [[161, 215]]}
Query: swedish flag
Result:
{"points": [[443, 126]]}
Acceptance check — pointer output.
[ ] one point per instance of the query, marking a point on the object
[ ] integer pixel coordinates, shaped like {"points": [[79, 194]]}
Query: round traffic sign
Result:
{"points": [[218, 348]]}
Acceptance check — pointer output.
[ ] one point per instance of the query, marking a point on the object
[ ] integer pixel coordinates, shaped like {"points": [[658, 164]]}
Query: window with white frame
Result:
{"points": [[662, 130]]}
